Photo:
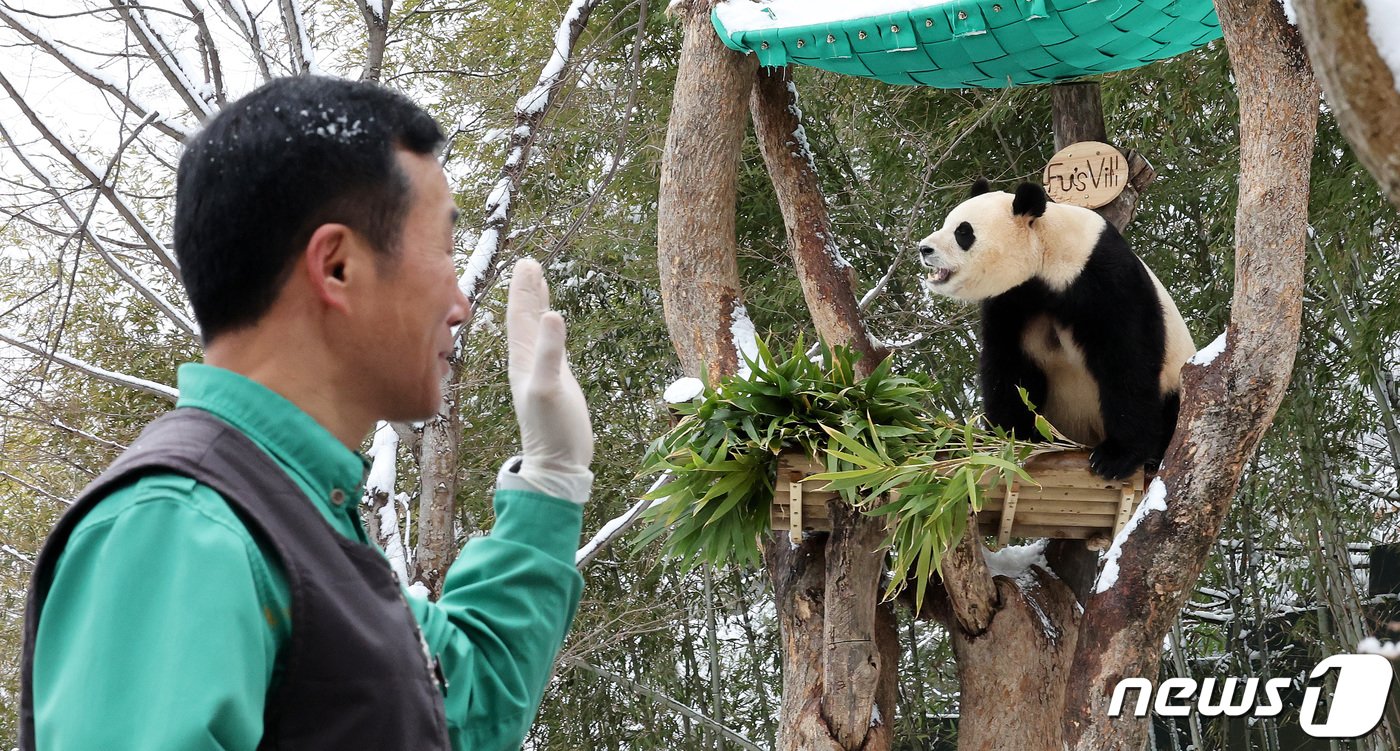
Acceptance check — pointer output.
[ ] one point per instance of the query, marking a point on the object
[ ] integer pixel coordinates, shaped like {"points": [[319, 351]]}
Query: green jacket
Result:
{"points": [[165, 618]]}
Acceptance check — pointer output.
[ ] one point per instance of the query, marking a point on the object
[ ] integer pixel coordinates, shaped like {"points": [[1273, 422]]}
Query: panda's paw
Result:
{"points": [[1116, 460]]}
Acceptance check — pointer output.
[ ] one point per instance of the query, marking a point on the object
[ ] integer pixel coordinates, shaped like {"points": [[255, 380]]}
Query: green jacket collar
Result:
{"points": [[319, 463]]}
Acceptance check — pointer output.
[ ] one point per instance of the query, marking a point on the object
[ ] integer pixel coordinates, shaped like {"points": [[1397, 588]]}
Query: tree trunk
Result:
{"points": [[437, 491], [1013, 675], [840, 654], [695, 209], [1226, 404], [1361, 89]]}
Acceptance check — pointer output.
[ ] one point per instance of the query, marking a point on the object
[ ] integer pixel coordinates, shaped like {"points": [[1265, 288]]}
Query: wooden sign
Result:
{"points": [[1088, 174]]}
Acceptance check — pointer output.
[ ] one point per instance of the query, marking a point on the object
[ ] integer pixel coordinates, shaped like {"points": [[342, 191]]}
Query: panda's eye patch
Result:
{"points": [[964, 235]]}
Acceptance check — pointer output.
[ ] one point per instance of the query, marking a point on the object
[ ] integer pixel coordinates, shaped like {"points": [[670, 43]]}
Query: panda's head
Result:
{"points": [[987, 245]]}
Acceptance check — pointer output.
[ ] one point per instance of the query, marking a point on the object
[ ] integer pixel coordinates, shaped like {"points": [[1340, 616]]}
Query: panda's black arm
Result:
{"points": [[1004, 367]]}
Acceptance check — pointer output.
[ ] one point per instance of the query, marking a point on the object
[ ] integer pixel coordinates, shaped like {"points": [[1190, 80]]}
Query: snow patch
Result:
{"points": [[746, 15], [1373, 646], [683, 390], [536, 99], [1385, 34], [745, 338], [1211, 351], [383, 452], [419, 590], [1289, 12], [1156, 500], [1015, 561]]}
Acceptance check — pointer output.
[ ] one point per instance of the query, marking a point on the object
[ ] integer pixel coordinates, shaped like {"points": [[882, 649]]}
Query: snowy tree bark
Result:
{"points": [[1227, 404], [1361, 89], [376, 17]]}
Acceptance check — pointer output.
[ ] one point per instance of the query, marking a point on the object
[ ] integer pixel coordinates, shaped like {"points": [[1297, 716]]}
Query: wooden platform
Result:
{"points": [[1070, 502]]}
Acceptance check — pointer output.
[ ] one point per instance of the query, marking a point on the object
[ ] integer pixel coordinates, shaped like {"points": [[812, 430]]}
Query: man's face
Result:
{"points": [[415, 301]]}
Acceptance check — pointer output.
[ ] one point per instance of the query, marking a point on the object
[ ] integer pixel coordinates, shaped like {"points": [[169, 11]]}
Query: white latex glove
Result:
{"points": [[555, 433]]}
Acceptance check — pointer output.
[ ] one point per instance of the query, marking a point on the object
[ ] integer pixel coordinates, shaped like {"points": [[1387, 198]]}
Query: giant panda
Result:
{"points": [[1070, 314]]}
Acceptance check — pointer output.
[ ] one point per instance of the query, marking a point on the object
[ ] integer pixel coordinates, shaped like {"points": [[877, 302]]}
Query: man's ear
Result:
{"points": [[328, 261], [1030, 201]]}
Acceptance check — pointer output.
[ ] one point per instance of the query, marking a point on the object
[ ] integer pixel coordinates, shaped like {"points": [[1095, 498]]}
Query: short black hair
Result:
{"points": [[270, 168]]}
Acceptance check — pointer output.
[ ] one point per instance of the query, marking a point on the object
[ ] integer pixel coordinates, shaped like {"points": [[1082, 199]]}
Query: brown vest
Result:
{"points": [[355, 672]]}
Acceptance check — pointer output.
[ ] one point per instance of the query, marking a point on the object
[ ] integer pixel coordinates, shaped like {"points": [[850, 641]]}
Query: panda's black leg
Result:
{"points": [[1132, 417], [1127, 373]]}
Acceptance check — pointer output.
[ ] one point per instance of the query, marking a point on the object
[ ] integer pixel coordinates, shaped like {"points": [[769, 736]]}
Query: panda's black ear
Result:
{"points": [[979, 187], [1030, 200]]}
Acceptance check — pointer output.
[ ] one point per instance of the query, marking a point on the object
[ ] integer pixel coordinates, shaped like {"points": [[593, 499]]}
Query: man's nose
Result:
{"points": [[461, 309]]}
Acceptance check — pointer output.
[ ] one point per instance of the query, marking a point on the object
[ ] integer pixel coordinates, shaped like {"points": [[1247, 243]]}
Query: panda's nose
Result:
{"points": [[925, 251]]}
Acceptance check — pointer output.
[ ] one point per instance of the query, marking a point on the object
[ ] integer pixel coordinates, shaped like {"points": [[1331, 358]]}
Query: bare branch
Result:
{"points": [[85, 227], [660, 698], [237, 12], [87, 171], [102, 374], [161, 123]]}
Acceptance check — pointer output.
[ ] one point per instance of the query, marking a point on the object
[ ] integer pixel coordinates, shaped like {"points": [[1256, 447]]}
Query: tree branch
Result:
{"points": [[1227, 404], [164, 58], [660, 698], [102, 374], [1361, 89], [85, 227], [161, 123], [86, 170]]}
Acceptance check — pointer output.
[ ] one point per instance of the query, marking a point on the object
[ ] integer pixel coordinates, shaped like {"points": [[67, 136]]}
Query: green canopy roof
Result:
{"points": [[969, 43]]}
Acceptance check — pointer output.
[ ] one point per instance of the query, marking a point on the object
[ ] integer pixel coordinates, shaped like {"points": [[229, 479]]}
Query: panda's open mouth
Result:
{"points": [[939, 275]]}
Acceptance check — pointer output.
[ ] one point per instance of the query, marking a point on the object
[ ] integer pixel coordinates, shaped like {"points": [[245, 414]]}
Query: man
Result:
{"points": [[223, 594]]}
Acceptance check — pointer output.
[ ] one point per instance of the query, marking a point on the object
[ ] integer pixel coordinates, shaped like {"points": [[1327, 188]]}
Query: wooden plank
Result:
{"points": [[1093, 521], [810, 510], [795, 511], [1126, 506], [1008, 516], [1109, 498]]}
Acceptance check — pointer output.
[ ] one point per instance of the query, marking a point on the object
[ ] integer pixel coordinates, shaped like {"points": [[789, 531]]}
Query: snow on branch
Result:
{"points": [[303, 56], [617, 527], [530, 110], [379, 494], [210, 50], [163, 55], [91, 75], [87, 171], [1154, 500], [102, 374], [41, 491]]}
